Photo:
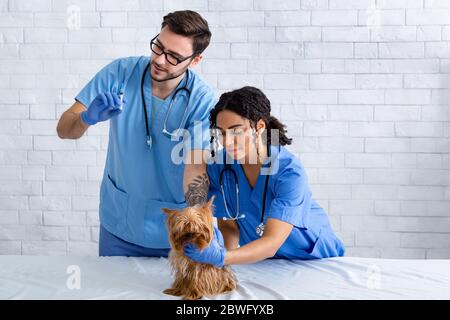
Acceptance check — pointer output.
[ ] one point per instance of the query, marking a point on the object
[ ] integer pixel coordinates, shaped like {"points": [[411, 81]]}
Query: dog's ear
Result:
{"points": [[208, 205], [206, 208], [169, 212]]}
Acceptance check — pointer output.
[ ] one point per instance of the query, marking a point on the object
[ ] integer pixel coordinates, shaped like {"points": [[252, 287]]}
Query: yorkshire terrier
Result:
{"points": [[193, 280]]}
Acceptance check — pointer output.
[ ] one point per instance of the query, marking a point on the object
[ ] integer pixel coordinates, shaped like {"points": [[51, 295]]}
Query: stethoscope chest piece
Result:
{"points": [[260, 229]]}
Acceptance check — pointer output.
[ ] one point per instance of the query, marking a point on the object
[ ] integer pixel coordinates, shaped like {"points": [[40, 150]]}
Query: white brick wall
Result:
{"points": [[363, 86]]}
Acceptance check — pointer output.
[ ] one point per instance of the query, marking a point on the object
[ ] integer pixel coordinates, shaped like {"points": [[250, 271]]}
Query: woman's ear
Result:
{"points": [[260, 126]]}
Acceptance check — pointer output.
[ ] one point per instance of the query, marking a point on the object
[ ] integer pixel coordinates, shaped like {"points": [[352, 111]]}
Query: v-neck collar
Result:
{"points": [[247, 182], [261, 168], [158, 99], [148, 86], [153, 113]]}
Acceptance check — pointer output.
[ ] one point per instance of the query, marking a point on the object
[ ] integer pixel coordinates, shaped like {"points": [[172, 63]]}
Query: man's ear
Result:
{"points": [[169, 212], [196, 60]]}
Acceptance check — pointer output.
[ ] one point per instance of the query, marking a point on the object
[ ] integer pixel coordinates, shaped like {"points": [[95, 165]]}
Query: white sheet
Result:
{"points": [[45, 277]]}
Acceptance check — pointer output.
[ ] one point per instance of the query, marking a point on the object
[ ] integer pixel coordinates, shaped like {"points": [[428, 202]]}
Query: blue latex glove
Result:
{"points": [[105, 106], [213, 254]]}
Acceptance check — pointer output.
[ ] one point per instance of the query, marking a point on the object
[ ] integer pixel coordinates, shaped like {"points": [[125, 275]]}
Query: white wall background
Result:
{"points": [[363, 86]]}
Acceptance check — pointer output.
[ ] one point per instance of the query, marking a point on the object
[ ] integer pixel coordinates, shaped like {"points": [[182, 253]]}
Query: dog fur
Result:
{"points": [[194, 280]]}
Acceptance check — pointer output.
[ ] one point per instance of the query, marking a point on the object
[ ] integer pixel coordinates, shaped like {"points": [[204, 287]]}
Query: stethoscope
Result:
{"points": [[238, 215], [176, 132]]}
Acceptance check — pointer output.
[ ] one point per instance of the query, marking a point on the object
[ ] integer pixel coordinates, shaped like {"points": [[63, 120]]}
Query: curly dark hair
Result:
{"points": [[252, 104]]}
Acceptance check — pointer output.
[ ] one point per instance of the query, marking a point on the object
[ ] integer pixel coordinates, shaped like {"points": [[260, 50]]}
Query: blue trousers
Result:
{"points": [[111, 245]]}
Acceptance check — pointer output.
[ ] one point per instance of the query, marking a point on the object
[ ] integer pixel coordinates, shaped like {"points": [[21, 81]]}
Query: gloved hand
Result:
{"points": [[105, 106], [213, 254]]}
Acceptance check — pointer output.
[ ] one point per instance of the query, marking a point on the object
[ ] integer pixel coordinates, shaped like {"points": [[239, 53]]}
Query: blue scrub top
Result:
{"points": [[288, 199], [139, 181]]}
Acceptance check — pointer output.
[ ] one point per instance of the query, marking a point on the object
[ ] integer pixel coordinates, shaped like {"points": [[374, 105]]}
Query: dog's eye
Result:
{"points": [[186, 237]]}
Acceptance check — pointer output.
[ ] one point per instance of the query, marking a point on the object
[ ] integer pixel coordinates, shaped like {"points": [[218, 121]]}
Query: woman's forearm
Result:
{"points": [[252, 252]]}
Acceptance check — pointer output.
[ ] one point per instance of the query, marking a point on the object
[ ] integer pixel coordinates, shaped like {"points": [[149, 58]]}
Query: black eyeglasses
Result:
{"points": [[158, 50]]}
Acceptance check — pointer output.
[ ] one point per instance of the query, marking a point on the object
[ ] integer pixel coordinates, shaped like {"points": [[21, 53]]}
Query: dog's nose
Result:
{"points": [[186, 237]]}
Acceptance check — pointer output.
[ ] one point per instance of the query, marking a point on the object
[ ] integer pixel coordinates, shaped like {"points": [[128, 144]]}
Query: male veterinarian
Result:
{"points": [[151, 103]]}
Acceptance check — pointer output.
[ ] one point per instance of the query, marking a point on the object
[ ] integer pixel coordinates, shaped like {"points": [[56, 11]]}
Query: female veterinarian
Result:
{"points": [[264, 207]]}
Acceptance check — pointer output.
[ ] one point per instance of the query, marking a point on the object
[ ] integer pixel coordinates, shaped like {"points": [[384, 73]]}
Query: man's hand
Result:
{"points": [[105, 106]]}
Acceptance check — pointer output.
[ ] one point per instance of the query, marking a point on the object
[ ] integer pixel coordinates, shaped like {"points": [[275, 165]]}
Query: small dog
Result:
{"points": [[193, 280]]}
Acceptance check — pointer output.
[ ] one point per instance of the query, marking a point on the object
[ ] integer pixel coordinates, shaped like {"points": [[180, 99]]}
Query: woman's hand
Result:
{"points": [[213, 254]]}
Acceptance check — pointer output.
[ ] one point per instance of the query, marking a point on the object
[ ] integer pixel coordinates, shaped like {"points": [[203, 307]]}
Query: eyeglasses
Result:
{"points": [[159, 50]]}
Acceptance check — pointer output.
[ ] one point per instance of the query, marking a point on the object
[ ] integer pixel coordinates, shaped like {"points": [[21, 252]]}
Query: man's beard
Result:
{"points": [[170, 76]]}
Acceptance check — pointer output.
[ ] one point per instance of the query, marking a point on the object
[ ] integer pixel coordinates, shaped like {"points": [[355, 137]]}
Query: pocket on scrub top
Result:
{"points": [[114, 205], [155, 222]]}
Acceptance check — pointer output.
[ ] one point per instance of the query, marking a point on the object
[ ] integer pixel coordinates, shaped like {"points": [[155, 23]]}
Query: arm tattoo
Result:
{"points": [[197, 190]]}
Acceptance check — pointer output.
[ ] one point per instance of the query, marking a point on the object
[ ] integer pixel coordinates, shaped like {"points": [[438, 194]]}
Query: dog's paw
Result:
{"points": [[192, 296], [173, 292]]}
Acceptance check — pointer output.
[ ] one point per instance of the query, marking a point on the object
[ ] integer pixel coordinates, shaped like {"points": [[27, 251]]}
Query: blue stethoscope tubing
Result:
{"points": [[228, 168], [238, 215], [172, 99]]}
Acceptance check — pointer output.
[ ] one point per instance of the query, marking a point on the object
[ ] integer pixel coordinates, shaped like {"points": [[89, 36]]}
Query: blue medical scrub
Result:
{"points": [[288, 199], [139, 181]]}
